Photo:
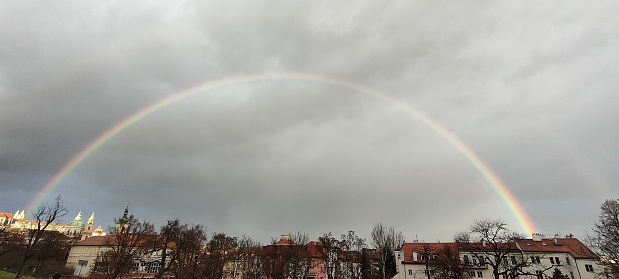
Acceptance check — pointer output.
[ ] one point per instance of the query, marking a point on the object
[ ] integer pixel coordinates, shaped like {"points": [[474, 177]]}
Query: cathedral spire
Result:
{"points": [[90, 222], [78, 217]]}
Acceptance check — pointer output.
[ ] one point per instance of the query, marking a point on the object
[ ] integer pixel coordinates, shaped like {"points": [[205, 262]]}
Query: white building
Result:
{"points": [[543, 255]]}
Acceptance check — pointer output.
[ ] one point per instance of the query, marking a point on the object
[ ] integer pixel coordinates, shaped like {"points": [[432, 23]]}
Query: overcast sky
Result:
{"points": [[529, 87]]}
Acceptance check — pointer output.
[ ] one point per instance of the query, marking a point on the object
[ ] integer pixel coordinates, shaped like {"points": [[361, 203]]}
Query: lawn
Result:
{"points": [[8, 275]]}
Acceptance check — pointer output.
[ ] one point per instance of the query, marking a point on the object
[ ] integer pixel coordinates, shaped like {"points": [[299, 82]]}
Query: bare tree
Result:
{"points": [[218, 250], [9, 241], [188, 249], [247, 256], [352, 247], [297, 256], [286, 258], [329, 255], [448, 265], [386, 240], [165, 245], [605, 238], [53, 250], [132, 241], [272, 262], [44, 216], [177, 241], [492, 243]]}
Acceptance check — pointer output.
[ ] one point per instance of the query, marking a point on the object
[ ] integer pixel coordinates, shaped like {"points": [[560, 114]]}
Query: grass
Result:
{"points": [[9, 275]]}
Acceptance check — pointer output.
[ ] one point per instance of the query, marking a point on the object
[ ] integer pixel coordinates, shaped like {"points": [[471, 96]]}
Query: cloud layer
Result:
{"points": [[529, 87]]}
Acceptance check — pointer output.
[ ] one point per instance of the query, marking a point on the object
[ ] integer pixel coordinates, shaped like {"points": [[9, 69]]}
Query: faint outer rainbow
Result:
{"points": [[525, 223]]}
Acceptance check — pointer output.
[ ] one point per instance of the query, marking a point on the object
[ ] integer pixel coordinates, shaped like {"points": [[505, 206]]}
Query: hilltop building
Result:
{"points": [[75, 228]]}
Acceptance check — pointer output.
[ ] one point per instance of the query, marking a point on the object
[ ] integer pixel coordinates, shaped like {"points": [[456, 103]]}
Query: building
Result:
{"points": [[5, 219], [314, 260], [84, 255], [75, 229], [541, 255]]}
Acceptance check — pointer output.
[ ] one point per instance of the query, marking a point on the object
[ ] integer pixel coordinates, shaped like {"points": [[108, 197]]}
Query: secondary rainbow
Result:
{"points": [[524, 222]]}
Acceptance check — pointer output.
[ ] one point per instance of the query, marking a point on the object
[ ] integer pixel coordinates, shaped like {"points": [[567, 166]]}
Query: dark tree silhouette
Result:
{"points": [[386, 240], [44, 216], [492, 243], [605, 238]]}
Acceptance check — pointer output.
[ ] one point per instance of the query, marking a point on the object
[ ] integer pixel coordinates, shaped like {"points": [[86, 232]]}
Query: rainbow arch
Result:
{"points": [[500, 189]]}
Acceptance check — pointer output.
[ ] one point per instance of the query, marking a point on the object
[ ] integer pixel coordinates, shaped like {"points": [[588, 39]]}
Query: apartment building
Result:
{"points": [[538, 256]]}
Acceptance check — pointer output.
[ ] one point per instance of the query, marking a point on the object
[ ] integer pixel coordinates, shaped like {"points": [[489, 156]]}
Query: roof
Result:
{"points": [[433, 248], [572, 246], [107, 240], [6, 215], [96, 241]]}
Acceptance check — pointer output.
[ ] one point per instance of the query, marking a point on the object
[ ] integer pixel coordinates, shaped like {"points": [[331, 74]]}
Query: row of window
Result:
{"points": [[471, 274], [539, 274], [513, 259], [142, 267]]}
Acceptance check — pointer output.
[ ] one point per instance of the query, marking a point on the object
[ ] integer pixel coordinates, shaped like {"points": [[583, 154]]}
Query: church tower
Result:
{"points": [[123, 222], [90, 222]]}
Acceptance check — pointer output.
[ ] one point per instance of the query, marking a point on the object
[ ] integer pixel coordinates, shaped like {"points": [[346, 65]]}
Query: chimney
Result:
{"points": [[537, 236]]}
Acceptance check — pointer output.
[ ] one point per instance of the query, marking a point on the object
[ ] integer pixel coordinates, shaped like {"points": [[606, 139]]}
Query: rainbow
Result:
{"points": [[500, 189]]}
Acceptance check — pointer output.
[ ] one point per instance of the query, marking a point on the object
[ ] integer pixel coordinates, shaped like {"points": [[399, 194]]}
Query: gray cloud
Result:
{"points": [[529, 87]]}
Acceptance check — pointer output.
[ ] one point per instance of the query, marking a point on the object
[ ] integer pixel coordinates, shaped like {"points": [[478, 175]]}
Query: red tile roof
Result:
{"points": [[6, 215], [97, 241], [553, 245], [558, 245], [433, 248]]}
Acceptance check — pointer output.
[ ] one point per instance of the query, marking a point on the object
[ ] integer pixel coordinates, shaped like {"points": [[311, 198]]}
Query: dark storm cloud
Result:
{"points": [[528, 86]]}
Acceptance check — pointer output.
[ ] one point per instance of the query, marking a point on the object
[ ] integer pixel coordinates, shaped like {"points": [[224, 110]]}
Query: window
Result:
{"points": [[567, 260], [426, 272], [552, 260], [535, 259], [410, 272], [557, 260], [571, 274], [472, 274], [466, 260], [513, 260], [480, 274], [539, 274], [589, 267], [423, 257], [153, 267]]}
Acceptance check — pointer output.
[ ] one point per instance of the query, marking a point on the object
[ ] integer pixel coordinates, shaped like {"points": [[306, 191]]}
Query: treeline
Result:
{"points": [[185, 251]]}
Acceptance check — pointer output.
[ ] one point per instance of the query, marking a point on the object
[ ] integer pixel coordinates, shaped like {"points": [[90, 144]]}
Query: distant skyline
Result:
{"points": [[422, 116]]}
